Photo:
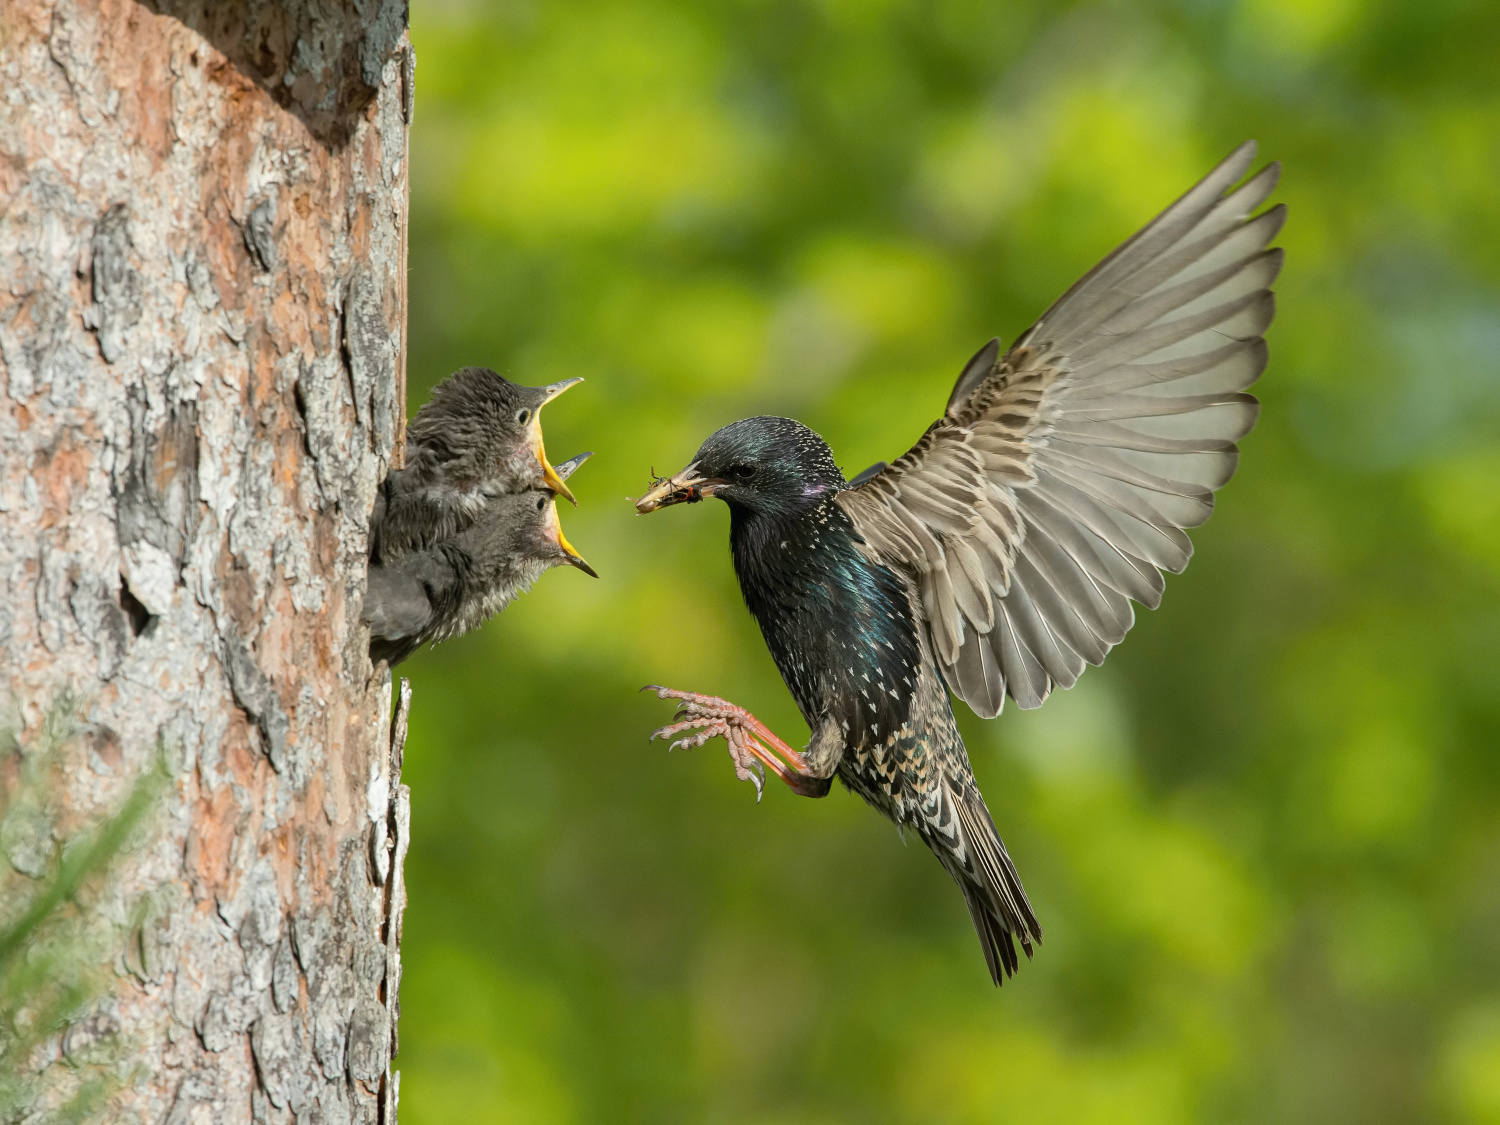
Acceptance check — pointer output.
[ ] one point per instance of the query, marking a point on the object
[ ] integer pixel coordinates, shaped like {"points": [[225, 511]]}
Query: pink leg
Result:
{"points": [[752, 745]]}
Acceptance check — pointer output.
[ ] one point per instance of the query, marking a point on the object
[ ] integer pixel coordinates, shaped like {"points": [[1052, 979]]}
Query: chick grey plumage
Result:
{"points": [[1000, 555], [442, 591], [478, 437]]}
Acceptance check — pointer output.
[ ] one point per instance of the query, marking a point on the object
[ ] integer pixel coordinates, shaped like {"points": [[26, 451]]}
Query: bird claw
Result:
{"points": [[704, 728], [755, 773], [709, 717], [690, 742], [746, 766]]}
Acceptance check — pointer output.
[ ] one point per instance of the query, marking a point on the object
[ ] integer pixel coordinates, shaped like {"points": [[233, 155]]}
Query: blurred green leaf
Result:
{"points": [[54, 952]]}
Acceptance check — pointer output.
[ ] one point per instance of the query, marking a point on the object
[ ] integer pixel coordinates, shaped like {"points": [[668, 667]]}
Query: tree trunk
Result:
{"points": [[202, 313]]}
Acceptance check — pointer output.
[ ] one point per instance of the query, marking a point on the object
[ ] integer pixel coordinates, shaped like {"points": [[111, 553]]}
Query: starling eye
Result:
{"points": [[541, 503], [742, 472], [523, 417]]}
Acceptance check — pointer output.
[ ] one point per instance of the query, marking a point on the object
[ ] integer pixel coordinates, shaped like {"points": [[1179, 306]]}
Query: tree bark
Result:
{"points": [[202, 313]]}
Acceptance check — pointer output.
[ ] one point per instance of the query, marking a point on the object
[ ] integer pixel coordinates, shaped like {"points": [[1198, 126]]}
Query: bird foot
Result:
{"points": [[752, 746]]}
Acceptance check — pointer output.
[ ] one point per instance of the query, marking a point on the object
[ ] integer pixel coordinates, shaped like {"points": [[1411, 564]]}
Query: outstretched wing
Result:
{"points": [[1057, 486]]}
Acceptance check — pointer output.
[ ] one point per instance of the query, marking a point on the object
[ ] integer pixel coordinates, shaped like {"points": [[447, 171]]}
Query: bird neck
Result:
{"points": [[756, 532]]}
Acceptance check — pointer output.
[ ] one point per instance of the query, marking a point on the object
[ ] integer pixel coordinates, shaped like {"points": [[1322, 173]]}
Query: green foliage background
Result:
{"points": [[1263, 839]]}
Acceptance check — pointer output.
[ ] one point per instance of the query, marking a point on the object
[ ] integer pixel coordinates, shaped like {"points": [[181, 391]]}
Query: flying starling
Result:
{"points": [[1000, 555], [478, 437], [462, 580]]}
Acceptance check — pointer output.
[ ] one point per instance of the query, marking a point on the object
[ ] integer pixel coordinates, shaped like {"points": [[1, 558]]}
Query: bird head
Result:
{"points": [[541, 534], [766, 465], [489, 429]]}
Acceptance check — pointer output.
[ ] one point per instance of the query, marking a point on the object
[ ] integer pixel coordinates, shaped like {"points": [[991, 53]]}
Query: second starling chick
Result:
{"points": [[478, 437], [445, 590]]}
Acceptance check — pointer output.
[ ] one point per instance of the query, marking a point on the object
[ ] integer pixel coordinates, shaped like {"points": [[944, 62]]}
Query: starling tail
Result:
{"points": [[982, 868]]}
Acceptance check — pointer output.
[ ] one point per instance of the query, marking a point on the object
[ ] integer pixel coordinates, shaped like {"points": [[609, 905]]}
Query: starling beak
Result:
{"points": [[1001, 554], [570, 554], [479, 437], [687, 487]]}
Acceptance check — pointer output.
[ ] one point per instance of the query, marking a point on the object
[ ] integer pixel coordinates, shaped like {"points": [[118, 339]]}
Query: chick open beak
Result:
{"points": [[554, 481], [687, 487], [553, 478], [570, 466], [573, 557], [569, 553]]}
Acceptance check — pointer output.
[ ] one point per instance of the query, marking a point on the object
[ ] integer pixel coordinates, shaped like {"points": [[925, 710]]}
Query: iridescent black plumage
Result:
{"points": [[847, 635], [840, 629], [1002, 553]]}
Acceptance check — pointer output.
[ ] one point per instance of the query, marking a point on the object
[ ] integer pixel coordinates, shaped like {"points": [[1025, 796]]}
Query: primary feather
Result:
{"points": [[1069, 467]]}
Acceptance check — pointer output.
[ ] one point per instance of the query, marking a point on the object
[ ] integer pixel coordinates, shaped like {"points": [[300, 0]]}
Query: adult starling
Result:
{"points": [[456, 584], [1001, 553], [478, 437]]}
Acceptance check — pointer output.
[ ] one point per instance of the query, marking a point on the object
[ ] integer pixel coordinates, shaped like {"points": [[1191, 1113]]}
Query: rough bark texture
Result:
{"points": [[202, 308]]}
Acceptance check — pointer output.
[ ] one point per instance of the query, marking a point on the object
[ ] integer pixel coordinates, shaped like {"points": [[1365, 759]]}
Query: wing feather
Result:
{"points": [[1026, 681], [1232, 367], [1056, 488]]}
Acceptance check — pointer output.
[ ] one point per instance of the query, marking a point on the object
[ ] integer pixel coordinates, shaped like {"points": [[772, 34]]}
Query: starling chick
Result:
{"points": [[455, 585], [1001, 554], [478, 437]]}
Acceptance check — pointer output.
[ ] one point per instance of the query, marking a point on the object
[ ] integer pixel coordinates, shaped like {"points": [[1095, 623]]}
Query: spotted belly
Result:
{"points": [[900, 773]]}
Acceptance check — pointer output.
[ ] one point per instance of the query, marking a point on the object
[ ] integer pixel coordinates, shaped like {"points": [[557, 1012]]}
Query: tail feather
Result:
{"points": [[998, 945], [976, 858]]}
